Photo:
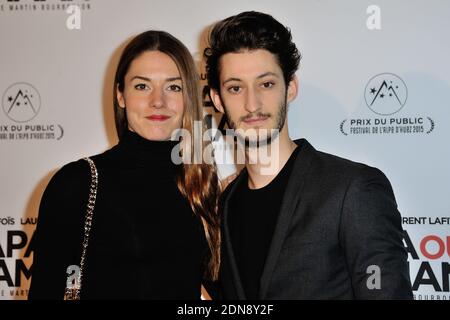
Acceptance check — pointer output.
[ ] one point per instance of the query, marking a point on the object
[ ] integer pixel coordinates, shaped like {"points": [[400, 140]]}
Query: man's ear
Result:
{"points": [[120, 99], [292, 89], [216, 100]]}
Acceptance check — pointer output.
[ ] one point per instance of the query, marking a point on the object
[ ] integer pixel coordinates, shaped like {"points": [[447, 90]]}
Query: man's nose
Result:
{"points": [[252, 103]]}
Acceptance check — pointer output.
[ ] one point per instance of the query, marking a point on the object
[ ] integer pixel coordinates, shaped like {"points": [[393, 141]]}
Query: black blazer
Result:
{"points": [[338, 219]]}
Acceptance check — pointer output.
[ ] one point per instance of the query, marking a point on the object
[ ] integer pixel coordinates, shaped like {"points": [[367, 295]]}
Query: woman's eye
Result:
{"points": [[140, 86], [234, 89], [175, 88]]}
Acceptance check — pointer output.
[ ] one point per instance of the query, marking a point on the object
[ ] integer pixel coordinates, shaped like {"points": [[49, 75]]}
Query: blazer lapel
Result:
{"points": [[227, 238], [290, 200]]}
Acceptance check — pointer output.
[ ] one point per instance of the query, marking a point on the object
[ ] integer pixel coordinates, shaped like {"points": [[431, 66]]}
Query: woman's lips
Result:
{"points": [[158, 117]]}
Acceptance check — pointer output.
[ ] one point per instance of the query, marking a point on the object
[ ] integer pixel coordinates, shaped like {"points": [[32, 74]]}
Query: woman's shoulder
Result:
{"points": [[68, 179], [72, 171], [66, 192], [80, 168], [75, 176]]}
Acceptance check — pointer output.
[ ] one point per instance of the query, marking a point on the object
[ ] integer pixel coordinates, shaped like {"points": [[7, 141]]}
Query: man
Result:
{"points": [[315, 227]]}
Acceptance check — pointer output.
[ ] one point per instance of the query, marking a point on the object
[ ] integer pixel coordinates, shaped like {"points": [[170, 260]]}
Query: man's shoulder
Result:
{"points": [[337, 162], [330, 164]]}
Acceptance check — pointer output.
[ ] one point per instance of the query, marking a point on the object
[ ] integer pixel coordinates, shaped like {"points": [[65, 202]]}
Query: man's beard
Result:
{"points": [[271, 133]]}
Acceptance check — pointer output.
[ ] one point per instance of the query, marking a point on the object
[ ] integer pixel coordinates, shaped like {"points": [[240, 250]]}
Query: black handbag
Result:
{"points": [[75, 277]]}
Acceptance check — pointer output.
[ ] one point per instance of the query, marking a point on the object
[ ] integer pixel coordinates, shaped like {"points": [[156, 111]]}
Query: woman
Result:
{"points": [[155, 230]]}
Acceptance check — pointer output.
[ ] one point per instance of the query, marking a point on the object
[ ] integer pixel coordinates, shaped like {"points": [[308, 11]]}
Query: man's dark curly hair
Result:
{"points": [[250, 31]]}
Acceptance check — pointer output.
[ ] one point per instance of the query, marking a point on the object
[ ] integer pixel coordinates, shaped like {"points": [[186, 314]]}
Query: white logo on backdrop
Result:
{"points": [[21, 102], [386, 94]]}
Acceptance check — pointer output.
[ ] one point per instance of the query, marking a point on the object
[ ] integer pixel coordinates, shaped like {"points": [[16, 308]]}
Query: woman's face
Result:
{"points": [[152, 96]]}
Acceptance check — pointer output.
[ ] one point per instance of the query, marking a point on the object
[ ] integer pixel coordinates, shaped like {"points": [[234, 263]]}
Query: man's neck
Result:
{"points": [[274, 158]]}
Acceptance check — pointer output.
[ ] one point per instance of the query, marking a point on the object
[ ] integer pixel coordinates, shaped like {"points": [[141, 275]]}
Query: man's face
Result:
{"points": [[253, 94]]}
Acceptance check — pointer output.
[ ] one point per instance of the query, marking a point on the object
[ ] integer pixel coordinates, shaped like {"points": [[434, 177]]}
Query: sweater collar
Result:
{"points": [[140, 150]]}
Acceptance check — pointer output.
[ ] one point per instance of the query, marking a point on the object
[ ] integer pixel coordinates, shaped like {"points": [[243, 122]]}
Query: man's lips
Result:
{"points": [[255, 120], [158, 117]]}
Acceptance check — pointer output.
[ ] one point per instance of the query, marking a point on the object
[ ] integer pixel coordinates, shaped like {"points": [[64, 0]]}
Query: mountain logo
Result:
{"points": [[386, 94], [21, 102]]}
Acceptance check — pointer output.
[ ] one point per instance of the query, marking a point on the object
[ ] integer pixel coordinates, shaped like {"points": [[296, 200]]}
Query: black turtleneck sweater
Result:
{"points": [[145, 242]]}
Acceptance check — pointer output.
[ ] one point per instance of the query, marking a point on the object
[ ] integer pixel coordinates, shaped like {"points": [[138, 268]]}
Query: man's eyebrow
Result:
{"points": [[269, 73], [265, 74], [231, 79]]}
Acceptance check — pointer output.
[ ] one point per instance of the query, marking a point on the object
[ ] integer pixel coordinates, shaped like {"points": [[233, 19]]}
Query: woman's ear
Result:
{"points": [[119, 96], [216, 100]]}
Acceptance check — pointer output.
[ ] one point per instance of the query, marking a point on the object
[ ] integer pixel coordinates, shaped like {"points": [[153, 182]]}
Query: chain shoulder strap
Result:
{"points": [[73, 291]]}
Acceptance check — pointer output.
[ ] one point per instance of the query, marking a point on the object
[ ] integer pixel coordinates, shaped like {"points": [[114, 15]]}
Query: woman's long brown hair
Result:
{"points": [[198, 182]]}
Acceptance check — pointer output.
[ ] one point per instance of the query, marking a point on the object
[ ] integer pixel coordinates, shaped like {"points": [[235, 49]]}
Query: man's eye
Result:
{"points": [[140, 86], [175, 88], [234, 89], [268, 84]]}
